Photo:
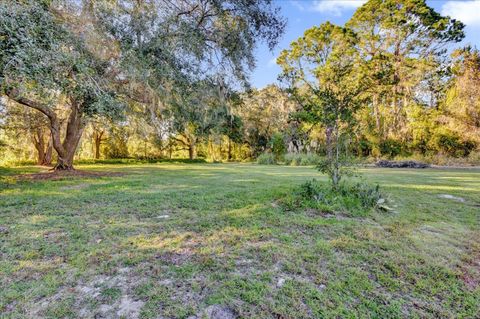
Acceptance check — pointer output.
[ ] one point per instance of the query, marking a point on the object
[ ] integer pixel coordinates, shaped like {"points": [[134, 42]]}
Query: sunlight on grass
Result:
{"points": [[226, 231], [171, 243], [433, 187], [36, 265]]}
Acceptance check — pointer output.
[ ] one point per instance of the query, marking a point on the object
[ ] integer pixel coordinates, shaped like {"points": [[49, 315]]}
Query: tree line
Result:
{"points": [[163, 79]]}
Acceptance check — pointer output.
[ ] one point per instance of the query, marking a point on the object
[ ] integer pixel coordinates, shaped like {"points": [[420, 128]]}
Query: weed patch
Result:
{"points": [[355, 199]]}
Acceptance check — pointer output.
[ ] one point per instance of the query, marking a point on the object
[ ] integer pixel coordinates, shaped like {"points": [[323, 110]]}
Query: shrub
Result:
{"points": [[300, 159], [367, 194], [277, 145], [474, 158], [357, 199], [447, 143], [362, 147], [309, 190], [390, 148], [292, 159], [116, 151], [450, 143], [310, 159], [266, 159], [468, 147]]}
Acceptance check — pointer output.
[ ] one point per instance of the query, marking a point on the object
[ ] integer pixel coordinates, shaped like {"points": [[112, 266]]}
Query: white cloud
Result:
{"points": [[466, 11], [336, 7]]}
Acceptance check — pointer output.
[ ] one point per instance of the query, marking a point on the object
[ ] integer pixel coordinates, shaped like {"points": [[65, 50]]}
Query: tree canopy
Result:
{"points": [[92, 56]]}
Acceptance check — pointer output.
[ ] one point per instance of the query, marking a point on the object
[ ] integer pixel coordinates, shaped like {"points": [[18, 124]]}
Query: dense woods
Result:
{"points": [[161, 79]]}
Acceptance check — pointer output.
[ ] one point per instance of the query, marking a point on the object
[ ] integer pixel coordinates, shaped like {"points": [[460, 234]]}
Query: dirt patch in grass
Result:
{"points": [[175, 258], [102, 297], [60, 175]]}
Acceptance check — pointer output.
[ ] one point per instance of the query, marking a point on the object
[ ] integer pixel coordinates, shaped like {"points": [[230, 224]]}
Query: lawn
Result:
{"points": [[211, 240]]}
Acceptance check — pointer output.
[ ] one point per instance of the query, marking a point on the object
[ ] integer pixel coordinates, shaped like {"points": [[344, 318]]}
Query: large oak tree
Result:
{"points": [[46, 64], [81, 56]]}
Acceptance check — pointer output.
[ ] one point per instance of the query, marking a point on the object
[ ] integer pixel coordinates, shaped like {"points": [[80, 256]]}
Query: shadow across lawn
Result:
{"points": [[172, 239]]}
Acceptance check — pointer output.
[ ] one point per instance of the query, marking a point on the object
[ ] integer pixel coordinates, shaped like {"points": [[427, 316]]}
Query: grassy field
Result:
{"points": [[211, 240]]}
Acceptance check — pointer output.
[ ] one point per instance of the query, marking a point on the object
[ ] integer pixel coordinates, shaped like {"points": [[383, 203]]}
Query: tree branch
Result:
{"points": [[15, 95]]}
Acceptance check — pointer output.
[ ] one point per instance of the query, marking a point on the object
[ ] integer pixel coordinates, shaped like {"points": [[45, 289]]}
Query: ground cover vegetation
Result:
{"points": [[180, 240]]}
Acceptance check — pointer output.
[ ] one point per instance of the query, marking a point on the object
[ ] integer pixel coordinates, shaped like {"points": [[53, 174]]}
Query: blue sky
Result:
{"points": [[303, 14]]}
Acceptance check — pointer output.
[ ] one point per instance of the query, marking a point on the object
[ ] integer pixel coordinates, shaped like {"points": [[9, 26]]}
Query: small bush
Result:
{"points": [[451, 144], [448, 143], [309, 190], [300, 159], [277, 145], [266, 159], [292, 159], [367, 194], [474, 158], [362, 147], [468, 147], [310, 159], [357, 199], [390, 148]]}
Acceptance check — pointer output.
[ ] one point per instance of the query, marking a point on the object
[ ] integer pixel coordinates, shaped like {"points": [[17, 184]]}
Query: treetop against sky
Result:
{"points": [[303, 14]]}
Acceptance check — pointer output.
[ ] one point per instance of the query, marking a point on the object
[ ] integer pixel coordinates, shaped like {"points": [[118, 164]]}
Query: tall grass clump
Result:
{"points": [[353, 199], [302, 159], [266, 159]]}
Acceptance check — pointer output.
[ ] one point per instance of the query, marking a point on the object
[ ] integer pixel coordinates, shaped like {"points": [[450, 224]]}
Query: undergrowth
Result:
{"points": [[129, 161], [353, 199]]}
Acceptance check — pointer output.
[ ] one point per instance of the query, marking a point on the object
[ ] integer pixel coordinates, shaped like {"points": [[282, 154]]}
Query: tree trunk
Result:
{"points": [[229, 155], [376, 113], [66, 150], [396, 106], [39, 143], [191, 151], [220, 145], [329, 142], [97, 149], [48, 154], [44, 151], [336, 164], [97, 138]]}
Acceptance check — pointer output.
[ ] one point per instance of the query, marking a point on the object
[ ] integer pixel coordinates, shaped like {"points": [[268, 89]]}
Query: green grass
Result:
{"points": [[75, 248]]}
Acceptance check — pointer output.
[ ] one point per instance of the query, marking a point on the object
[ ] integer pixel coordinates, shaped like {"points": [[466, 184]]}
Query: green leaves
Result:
{"points": [[322, 72], [44, 57], [166, 42], [402, 45]]}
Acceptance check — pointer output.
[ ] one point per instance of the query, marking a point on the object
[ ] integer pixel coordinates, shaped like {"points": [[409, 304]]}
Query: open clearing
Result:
{"points": [[210, 240]]}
